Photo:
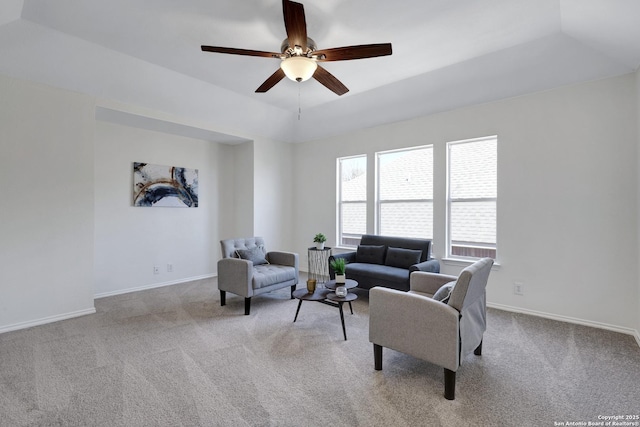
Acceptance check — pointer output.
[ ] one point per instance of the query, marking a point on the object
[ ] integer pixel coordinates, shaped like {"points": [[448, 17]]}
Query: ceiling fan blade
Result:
{"points": [[271, 81], [295, 24], [245, 52], [329, 81], [354, 52]]}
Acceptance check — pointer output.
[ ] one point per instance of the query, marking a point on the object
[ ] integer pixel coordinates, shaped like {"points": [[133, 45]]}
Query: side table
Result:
{"points": [[319, 264]]}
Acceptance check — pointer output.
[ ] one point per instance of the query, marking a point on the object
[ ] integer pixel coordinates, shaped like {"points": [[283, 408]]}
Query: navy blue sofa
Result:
{"points": [[387, 261]]}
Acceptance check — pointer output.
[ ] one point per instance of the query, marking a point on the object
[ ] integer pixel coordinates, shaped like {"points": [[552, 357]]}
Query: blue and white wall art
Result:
{"points": [[156, 185]]}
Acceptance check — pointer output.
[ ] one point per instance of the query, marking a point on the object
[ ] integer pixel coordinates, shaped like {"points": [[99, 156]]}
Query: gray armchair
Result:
{"points": [[246, 269], [442, 332]]}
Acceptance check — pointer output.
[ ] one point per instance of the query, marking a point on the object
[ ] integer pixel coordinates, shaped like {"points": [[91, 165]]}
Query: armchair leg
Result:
{"points": [[478, 350], [247, 306], [223, 298], [377, 357], [293, 288], [449, 384]]}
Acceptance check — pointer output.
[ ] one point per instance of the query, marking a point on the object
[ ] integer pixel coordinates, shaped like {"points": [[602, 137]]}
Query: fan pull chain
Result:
{"points": [[299, 108]]}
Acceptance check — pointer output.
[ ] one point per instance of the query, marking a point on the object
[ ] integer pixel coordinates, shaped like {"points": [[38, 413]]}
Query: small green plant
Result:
{"points": [[320, 238], [339, 265]]}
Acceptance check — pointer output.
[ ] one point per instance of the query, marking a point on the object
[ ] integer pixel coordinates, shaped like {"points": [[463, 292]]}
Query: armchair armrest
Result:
{"points": [[234, 275], [428, 283], [283, 258], [348, 256], [416, 325], [432, 266]]}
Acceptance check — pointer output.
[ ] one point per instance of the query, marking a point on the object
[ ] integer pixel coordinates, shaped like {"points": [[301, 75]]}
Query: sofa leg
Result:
{"points": [[449, 384], [478, 350], [293, 288], [377, 357], [223, 297], [247, 306]]}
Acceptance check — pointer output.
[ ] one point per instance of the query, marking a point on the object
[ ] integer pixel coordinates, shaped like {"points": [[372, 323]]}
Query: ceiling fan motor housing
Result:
{"points": [[292, 51]]}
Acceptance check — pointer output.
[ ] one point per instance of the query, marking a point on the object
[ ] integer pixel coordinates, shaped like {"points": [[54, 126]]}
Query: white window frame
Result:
{"points": [[450, 201], [341, 235], [380, 202]]}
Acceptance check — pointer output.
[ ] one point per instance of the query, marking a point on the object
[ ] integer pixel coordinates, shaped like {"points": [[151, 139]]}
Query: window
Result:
{"points": [[405, 192], [352, 200], [472, 198]]}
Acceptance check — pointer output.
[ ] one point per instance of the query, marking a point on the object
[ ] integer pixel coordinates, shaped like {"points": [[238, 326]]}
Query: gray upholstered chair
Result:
{"points": [[441, 319], [247, 269]]}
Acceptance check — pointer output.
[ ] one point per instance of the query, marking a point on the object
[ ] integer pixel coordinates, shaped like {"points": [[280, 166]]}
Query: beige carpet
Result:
{"points": [[173, 357]]}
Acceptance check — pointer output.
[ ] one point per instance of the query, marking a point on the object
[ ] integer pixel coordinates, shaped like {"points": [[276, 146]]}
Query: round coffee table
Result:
{"points": [[341, 300], [326, 296], [349, 284]]}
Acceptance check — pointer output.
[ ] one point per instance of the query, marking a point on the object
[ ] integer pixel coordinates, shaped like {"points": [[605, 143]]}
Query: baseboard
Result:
{"points": [[152, 286], [45, 320], [568, 319]]}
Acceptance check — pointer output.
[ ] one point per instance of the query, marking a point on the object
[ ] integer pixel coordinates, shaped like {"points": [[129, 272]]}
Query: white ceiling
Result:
{"points": [[446, 54]]}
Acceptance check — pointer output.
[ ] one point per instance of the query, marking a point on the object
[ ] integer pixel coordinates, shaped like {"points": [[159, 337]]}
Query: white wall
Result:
{"points": [[638, 136], [46, 208], [130, 241], [241, 181], [567, 195], [273, 183]]}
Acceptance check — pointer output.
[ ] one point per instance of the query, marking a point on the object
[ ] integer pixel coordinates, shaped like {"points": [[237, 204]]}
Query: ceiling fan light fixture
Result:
{"points": [[298, 68]]}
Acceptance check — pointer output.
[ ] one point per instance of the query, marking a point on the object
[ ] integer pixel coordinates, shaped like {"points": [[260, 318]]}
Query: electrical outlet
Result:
{"points": [[518, 288], [156, 269], [169, 268]]}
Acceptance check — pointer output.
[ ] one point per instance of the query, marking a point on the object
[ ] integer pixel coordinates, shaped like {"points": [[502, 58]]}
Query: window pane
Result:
{"points": [[472, 185], [354, 218], [352, 200], [473, 169], [406, 175], [409, 219], [473, 222], [353, 176]]}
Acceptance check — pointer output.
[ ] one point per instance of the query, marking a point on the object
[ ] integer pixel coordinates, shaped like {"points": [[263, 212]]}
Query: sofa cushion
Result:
{"points": [[370, 254], [375, 271], [444, 292], [268, 274], [255, 255], [402, 258], [423, 245]]}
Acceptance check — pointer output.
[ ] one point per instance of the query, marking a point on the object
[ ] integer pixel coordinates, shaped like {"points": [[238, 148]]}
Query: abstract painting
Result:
{"points": [[156, 185]]}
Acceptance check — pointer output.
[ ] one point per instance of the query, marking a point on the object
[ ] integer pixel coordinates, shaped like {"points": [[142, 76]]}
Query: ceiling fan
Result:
{"points": [[300, 56]]}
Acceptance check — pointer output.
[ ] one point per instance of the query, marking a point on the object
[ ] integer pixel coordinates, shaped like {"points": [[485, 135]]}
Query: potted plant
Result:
{"points": [[319, 241], [339, 265]]}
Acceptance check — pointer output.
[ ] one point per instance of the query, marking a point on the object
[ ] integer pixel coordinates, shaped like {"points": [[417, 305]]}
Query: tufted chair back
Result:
{"points": [[230, 246]]}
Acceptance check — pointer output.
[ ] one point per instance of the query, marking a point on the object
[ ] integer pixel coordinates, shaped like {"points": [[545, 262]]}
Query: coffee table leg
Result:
{"points": [[297, 311], [344, 331], [351, 308]]}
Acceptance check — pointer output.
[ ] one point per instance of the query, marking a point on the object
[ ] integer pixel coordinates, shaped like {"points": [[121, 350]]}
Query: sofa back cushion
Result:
{"points": [[423, 245], [371, 254], [402, 258]]}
